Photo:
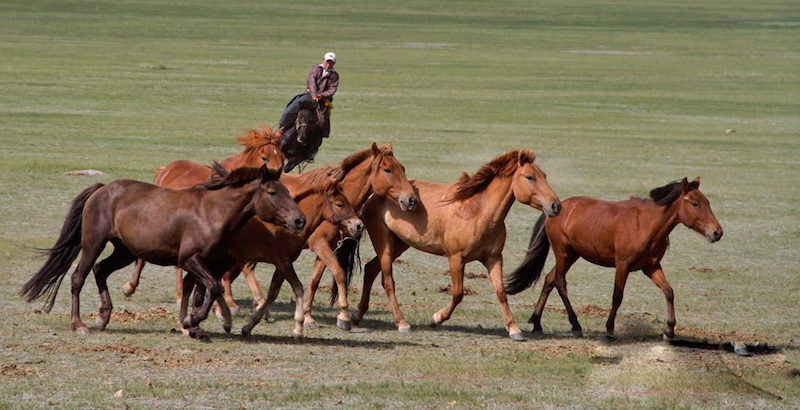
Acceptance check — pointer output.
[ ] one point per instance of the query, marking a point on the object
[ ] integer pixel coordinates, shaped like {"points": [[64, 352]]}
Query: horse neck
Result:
{"points": [[496, 200], [313, 207], [661, 220], [233, 205], [357, 184]]}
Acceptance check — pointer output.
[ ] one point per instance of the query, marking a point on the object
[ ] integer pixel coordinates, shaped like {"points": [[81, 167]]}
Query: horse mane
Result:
{"points": [[667, 194], [316, 181], [356, 158], [222, 177], [255, 139], [503, 165]]}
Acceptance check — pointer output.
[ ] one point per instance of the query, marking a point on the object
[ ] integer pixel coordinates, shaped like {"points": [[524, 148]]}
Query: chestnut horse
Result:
{"points": [[629, 235], [463, 221], [260, 147], [373, 171], [321, 199], [191, 228]]}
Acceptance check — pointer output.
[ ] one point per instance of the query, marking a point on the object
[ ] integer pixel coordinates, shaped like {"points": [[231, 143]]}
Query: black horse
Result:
{"points": [[301, 138]]}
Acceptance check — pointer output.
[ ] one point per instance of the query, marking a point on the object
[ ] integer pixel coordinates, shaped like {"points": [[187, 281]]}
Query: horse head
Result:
{"points": [[530, 186], [695, 211], [305, 124], [274, 204], [389, 178]]}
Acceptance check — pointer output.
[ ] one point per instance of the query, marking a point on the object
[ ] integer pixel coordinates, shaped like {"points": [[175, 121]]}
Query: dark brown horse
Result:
{"points": [[260, 147], [463, 221], [629, 235], [191, 228], [301, 142]]}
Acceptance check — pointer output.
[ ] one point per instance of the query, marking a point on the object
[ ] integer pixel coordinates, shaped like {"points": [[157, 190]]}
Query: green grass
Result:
{"points": [[615, 97]]}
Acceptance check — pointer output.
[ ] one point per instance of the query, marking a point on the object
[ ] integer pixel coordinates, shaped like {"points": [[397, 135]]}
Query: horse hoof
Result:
{"points": [[406, 329], [83, 330], [227, 328], [297, 336], [666, 337], [517, 337], [740, 348], [436, 320], [204, 339], [343, 324], [578, 334], [245, 332], [310, 324], [610, 337], [128, 290]]}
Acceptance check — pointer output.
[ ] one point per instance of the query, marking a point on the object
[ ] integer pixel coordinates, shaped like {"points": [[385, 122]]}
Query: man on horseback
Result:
{"points": [[322, 83]]}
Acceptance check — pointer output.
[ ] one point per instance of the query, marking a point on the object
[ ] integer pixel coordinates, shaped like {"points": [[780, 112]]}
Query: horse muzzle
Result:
{"points": [[407, 204], [714, 235]]}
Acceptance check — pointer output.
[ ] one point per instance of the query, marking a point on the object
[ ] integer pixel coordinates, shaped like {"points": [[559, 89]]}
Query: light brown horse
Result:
{"points": [[191, 228], [463, 221], [629, 235], [260, 147], [373, 171], [321, 199]]}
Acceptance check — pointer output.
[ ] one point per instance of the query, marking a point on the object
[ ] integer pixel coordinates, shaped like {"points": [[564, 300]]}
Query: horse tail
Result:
{"points": [[348, 255], [531, 268], [48, 279]]}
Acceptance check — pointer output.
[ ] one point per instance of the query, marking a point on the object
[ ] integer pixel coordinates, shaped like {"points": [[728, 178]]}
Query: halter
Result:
{"points": [[334, 219]]}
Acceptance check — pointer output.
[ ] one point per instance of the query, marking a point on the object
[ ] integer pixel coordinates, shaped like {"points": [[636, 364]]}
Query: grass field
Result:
{"points": [[616, 98]]}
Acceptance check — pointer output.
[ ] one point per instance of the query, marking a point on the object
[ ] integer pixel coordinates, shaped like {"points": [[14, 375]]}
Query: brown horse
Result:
{"points": [[373, 171], [191, 228], [260, 147], [629, 235], [463, 221], [321, 199]]}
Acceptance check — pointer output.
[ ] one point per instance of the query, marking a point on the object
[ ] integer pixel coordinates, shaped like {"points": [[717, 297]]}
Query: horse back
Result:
{"points": [[182, 174]]}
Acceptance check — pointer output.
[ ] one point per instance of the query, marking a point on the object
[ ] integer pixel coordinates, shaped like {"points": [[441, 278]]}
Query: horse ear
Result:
{"points": [[696, 183], [388, 145], [375, 149], [525, 156]]}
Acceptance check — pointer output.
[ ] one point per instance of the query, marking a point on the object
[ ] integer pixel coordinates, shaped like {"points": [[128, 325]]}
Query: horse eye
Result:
{"points": [[531, 178], [388, 170], [695, 204]]}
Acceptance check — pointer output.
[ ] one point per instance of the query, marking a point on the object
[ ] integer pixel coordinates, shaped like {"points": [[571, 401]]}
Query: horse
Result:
{"points": [[191, 228], [372, 171], [301, 142], [463, 221], [260, 147], [628, 235]]}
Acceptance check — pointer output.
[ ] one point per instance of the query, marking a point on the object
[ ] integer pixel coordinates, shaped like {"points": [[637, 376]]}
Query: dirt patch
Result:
{"points": [[12, 370], [139, 316], [448, 289], [469, 275], [117, 348]]}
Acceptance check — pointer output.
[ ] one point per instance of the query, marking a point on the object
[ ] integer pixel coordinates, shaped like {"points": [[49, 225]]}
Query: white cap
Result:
{"points": [[330, 56]]}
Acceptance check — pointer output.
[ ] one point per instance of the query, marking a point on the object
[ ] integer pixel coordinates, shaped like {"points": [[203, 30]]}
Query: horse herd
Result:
{"points": [[215, 222]]}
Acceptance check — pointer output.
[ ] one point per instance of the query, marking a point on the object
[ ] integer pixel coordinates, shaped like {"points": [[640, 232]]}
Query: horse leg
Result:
{"points": [[196, 266], [297, 287], [371, 271], [178, 285], [386, 260], [263, 310], [188, 285], [313, 285], [456, 291], [249, 272], [227, 295], [495, 268], [656, 274], [130, 286], [327, 257], [88, 256], [536, 317], [119, 258], [620, 278]]}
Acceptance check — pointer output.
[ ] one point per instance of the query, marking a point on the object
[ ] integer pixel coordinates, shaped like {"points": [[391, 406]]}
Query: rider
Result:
{"points": [[322, 82]]}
